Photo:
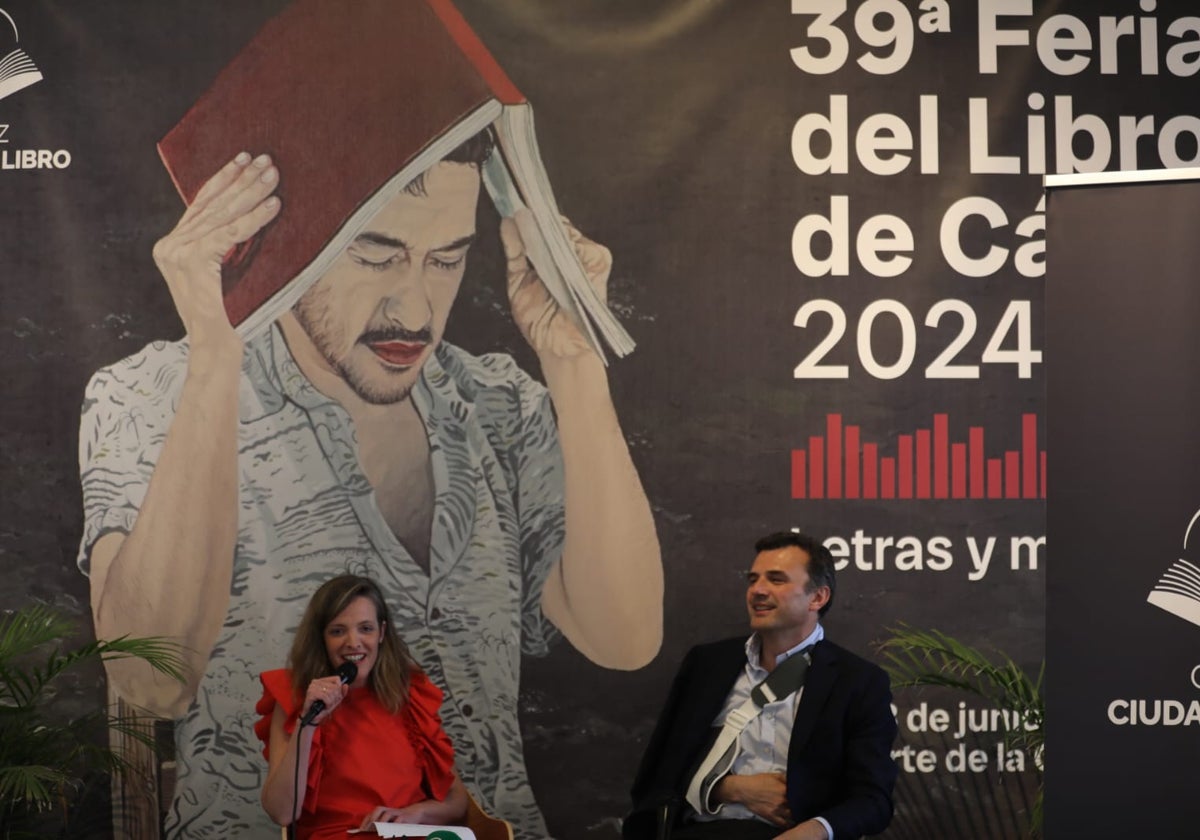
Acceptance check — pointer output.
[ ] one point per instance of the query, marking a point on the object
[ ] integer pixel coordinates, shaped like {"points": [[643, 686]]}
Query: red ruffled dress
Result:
{"points": [[362, 755]]}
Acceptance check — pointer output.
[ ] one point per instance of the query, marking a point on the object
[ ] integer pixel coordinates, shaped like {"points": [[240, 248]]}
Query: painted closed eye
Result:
{"points": [[379, 264], [448, 264]]}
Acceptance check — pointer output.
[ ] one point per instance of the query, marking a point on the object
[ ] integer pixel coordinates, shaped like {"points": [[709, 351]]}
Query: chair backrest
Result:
{"points": [[485, 826]]}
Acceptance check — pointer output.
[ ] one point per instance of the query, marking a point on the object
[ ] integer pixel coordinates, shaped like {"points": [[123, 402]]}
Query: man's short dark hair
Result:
{"points": [[820, 559], [474, 151]]}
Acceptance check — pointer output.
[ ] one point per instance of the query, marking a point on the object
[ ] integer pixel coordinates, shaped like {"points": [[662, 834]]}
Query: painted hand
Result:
{"points": [[547, 328], [230, 208]]}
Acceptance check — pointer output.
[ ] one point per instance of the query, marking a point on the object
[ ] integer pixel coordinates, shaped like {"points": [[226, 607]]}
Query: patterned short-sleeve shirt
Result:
{"points": [[307, 512]]}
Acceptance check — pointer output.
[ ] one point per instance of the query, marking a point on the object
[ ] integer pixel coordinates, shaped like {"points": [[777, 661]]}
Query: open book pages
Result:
{"points": [[518, 142], [508, 202], [17, 71], [1178, 591]]}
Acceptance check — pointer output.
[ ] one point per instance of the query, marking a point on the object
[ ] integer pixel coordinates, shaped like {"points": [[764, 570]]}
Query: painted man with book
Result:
{"points": [[224, 476]]}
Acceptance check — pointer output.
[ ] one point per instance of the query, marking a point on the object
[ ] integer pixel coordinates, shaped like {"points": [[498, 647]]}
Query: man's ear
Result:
{"points": [[820, 598]]}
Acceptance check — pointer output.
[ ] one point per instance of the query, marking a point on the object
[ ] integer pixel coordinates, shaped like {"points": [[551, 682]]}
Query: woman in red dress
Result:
{"points": [[377, 752]]}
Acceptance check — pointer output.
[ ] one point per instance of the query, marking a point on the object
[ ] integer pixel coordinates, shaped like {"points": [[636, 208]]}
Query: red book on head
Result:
{"points": [[352, 100]]}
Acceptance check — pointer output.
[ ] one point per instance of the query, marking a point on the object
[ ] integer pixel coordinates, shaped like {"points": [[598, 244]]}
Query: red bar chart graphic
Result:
{"points": [[927, 464]]}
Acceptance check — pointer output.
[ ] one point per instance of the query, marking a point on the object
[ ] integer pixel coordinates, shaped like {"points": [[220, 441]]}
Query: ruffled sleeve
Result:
{"points": [[427, 736], [278, 691]]}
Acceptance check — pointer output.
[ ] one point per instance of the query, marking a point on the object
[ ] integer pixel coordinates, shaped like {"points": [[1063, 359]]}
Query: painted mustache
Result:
{"points": [[384, 335]]}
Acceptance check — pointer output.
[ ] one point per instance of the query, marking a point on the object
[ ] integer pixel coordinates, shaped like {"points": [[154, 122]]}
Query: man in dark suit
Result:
{"points": [[814, 760]]}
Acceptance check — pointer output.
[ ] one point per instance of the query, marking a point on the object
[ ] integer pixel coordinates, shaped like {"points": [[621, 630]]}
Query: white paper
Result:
{"points": [[387, 829]]}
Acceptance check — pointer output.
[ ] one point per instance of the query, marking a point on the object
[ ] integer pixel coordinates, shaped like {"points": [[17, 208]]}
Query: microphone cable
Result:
{"points": [[346, 674], [291, 829]]}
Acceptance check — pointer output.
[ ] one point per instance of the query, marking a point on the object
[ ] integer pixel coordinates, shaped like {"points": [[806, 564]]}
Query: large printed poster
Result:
{"points": [[827, 236]]}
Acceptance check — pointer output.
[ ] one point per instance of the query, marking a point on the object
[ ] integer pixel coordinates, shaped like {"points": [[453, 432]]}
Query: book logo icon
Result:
{"points": [[1178, 590], [17, 70]]}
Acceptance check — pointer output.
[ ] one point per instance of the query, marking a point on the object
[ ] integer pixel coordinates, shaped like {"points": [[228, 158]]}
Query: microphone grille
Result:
{"points": [[347, 671]]}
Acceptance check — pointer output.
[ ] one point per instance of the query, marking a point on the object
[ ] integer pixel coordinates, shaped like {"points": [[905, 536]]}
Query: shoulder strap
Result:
{"points": [[787, 678]]}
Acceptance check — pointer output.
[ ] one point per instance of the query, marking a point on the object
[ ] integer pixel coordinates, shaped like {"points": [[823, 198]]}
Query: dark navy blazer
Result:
{"points": [[839, 761]]}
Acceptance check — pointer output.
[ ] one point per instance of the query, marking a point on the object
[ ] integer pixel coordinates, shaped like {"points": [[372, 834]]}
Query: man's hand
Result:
{"points": [[807, 830], [765, 794], [231, 207], [545, 326]]}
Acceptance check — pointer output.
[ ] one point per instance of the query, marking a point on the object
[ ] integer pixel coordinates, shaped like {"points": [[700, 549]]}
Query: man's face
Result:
{"points": [[777, 596], [378, 313]]}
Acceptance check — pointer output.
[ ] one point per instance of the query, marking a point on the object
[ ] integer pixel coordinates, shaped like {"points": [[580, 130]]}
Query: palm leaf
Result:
{"points": [[84, 732], [22, 686], [27, 629], [915, 657], [21, 633], [160, 653], [43, 761], [35, 786]]}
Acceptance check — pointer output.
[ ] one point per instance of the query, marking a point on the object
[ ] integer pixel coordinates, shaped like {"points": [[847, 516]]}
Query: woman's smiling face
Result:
{"points": [[353, 636]]}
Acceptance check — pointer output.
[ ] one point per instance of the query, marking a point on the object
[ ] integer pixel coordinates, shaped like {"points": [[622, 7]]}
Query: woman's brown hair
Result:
{"points": [[308, 660]]}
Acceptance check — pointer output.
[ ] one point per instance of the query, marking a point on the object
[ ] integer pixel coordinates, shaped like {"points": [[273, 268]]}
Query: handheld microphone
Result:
{"points": [[346, 673]]}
